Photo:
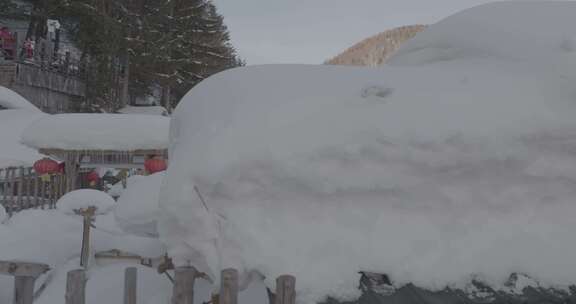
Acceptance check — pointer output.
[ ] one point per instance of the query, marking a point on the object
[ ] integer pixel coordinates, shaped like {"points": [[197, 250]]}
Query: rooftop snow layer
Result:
{"points": [[456, 161], [98, 132]]}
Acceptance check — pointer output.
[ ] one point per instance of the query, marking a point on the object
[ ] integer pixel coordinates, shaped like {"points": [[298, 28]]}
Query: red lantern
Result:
{"points": [[154, 165], [46, 166], [93, 177]]}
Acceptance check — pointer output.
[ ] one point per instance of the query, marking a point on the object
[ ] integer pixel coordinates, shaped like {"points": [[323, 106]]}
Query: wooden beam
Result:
{"points": [[23, 269]]}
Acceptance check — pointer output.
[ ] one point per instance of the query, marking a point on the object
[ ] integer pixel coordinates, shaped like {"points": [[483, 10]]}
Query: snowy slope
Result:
{"points": [[375, 51], [455, 160]]}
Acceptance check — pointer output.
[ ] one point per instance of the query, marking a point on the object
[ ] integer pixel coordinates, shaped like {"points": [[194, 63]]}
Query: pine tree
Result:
{"points": [[17, 10], [180, 43]]}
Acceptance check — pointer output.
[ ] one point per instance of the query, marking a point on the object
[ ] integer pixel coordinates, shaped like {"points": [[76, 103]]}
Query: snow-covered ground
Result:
{"points": [[16, 113], [455, 160]]}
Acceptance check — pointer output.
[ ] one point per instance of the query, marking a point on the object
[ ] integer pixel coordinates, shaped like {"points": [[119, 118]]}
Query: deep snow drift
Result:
{"points": [[456, 160], [137, 210]]}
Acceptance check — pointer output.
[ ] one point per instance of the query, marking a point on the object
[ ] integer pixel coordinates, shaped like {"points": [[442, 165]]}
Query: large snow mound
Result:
{"points": [[455, 161], [12, 100], [98, 131], [137, 209], [12, 124]]}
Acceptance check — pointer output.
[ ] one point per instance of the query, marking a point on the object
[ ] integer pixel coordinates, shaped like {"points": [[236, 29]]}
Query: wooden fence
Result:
{"points": [[21, 188]]}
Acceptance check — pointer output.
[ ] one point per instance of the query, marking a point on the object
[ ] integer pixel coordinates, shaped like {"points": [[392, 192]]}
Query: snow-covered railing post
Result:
{"points": [[88, 215], [183, 291], [76, 287], [228, 287], [285, 290], [25, 275]]}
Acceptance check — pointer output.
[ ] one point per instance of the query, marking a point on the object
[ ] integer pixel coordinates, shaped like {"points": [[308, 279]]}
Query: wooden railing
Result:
{"points": [[21, 188], [183, 289]]}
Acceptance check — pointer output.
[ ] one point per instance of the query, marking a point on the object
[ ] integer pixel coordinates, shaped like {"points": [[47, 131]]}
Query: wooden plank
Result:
{"points": [[52, 189], [30, 188], [229, 287], [285, 290], [36, 189], [13, 190], [183, 290], [130, 285], [14, 268], [42, 193], [2, 186], [24, 290], [71, 170], [20, 190], [6, 188], [76, 287]]}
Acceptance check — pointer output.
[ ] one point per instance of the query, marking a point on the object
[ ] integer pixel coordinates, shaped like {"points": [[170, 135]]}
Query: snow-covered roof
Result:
{"points": [[456, 159], [150, 110], [117, 132], [12, 124], [12, 100]]}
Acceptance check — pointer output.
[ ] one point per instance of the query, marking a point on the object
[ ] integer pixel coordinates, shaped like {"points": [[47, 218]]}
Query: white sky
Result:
{"points": [[311, 31]]}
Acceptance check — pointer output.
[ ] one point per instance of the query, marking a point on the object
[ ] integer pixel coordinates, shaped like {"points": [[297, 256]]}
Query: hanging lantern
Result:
{"points": [[154, 165], [93, 178], [46, 166]]}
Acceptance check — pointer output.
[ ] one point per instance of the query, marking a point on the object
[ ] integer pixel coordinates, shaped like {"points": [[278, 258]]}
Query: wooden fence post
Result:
{"points": [[183, 291], [25, 275], [229, 287], [20, 189], [285, 290], [130, 285], [88, 214], [24, 290], [76, 287], [14, 193]]}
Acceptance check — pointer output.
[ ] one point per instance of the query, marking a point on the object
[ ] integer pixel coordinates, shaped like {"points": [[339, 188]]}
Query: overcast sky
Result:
{"points": [[311, 31]]}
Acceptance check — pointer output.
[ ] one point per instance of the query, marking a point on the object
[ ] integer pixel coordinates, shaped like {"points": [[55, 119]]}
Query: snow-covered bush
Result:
{"points": [[84, 198], [137, 208]]}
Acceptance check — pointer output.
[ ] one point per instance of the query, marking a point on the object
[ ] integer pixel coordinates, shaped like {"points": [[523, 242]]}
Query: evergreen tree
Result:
{"points": [[10, 9], [172, 44], [180, 43]]}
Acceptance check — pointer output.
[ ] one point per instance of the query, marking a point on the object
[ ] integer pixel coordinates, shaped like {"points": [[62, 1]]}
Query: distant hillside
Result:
{"points": [[375, 50]]}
